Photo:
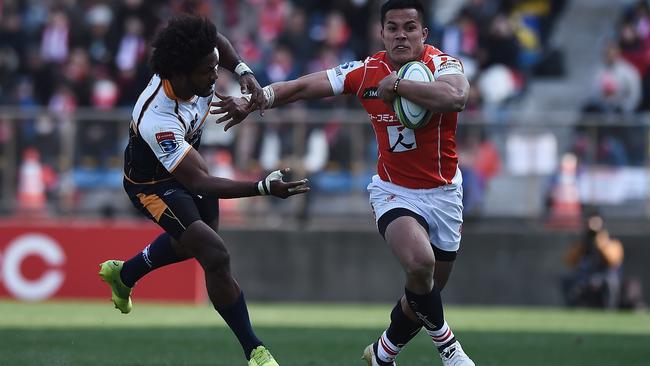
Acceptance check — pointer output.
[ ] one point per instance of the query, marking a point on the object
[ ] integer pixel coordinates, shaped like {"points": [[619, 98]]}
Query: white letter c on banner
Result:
{"points": [[16, 252]]}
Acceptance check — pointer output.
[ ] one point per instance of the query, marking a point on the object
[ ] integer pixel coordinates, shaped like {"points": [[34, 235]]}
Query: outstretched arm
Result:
{"points": [[311, 86], [192, 172]]}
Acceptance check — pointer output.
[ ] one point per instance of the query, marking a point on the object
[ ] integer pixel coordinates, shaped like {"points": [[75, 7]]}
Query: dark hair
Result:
{"points": [[402, 4], [178, 48]]}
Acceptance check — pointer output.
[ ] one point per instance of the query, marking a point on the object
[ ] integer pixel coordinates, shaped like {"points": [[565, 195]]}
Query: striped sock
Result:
{"points": [[386, 350], [442, 337]]}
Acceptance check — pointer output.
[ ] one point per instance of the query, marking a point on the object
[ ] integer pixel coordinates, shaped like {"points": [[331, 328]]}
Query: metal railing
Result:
{"points": [[511, 160]]}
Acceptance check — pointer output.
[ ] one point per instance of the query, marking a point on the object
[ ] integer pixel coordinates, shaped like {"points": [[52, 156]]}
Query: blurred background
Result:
{"points": [[555, 131]]}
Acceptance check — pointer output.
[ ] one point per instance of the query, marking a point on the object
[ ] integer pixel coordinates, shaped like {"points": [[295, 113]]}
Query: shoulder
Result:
{"points": [[441, 63], [379, 56], [343, 70], [431, 50], [159, 116]]}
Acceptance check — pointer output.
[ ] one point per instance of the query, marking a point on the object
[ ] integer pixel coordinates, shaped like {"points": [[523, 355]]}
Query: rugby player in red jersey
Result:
{"points": [[416, 195]]}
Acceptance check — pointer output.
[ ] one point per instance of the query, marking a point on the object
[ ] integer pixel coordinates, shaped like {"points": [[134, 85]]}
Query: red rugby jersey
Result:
{"points": [[422, 158]]}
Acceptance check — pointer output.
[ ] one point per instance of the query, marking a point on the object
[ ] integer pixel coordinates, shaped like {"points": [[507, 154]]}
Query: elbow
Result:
{"points": [[453, 101], [459, 101]]}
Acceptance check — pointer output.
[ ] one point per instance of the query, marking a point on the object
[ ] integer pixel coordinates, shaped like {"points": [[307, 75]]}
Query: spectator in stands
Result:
{"points": [[596, 267], [614, 97], [98, 19], [281, 66], [78, 77], [272, 19], [462, 38], [481, 11], [616, 86], [501, 45], [56, 38], [295, 36], [479, 161]]}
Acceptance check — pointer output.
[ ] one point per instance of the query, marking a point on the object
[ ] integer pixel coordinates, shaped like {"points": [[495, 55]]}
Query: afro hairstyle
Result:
{"points": [[178, 48]]}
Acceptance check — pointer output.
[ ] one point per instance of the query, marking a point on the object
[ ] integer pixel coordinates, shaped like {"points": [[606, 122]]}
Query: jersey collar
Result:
{"points": [[169, 92]]}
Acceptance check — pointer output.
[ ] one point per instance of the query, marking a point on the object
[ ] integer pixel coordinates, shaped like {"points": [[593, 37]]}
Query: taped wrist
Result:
{"points": [[264, 186], [261, 187], [242, 69], [269, 95]]}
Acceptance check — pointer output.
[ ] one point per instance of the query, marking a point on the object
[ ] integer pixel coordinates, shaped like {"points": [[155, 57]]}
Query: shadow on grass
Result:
{"points": [[304, 347]]}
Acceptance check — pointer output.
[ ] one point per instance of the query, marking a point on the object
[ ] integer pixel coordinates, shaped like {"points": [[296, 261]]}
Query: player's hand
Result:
{"points": [[249, 85], [274, 185], [234, 110], [385, 89]]}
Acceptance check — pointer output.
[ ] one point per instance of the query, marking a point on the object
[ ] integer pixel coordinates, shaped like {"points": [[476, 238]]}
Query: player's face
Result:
{"points": [[203, 77], [403, 35]]}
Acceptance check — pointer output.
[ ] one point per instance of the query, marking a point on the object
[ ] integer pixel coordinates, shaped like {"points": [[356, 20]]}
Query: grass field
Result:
{"points": [[75, 333]]}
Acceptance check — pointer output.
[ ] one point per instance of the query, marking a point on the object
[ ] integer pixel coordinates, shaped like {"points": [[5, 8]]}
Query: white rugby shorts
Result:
{"points": [[441, 207]]}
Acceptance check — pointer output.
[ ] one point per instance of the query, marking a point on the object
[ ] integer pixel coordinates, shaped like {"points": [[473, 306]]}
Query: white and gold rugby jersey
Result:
{"points": [[163, 130]]}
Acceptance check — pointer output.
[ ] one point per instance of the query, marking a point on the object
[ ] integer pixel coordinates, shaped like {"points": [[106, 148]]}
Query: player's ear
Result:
{"points": [[425, 33]]}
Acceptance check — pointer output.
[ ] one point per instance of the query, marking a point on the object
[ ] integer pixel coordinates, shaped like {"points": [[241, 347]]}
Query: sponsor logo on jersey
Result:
{"points": [[167, 141], [443, 63], [401, 139], [384, 117], [346, 67], [370, 93]]}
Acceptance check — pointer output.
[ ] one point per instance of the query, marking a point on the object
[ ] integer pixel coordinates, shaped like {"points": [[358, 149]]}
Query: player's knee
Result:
{"points": [[421, 269], [216, 260]]}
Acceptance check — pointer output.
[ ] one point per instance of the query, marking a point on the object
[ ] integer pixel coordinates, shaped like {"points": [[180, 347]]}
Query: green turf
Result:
{"points": [[73, 333]]}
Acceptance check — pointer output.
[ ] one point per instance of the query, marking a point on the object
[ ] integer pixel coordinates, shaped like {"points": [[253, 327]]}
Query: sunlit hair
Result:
{"points": [[178, 48]]}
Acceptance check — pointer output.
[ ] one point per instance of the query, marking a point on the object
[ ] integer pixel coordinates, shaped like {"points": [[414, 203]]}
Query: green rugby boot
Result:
{"points": [[261, 356], [109, 271]]}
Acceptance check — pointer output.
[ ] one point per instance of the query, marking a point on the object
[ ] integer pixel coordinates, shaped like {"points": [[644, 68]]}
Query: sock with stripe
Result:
{"points": [[428, 308], [442, 337], [236, 316], [400, 331], [155, 255]]}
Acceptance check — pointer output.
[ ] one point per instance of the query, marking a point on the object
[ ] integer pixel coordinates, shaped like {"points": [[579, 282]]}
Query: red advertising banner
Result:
{"points": [[39, 261]]}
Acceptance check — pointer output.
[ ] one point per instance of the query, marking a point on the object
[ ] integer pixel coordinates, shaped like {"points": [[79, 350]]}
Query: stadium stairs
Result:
{"points": [[578, 34]]}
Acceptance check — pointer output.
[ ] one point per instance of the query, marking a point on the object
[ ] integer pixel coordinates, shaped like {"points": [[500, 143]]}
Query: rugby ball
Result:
{"points": [[408, 113]]}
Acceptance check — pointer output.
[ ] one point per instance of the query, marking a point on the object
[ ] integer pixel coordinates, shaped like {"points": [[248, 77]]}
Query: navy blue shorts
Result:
{"points": [[171, 206]]}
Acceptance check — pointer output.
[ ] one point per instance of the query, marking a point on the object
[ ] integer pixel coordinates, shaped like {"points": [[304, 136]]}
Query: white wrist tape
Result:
{"points": [[264, 186], [269, 95], [242, 68]]}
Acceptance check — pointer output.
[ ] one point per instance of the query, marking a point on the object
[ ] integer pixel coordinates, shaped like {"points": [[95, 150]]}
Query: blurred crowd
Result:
{"points": [[63, 55], [620, 88], [68, 53]]}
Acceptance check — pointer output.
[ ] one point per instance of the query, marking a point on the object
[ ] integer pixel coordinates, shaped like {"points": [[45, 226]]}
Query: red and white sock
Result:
{"points": [[441, 336], [386, 350]]}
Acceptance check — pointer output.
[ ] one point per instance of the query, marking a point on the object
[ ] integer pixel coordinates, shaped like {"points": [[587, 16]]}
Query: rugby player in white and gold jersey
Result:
{"points": [[168, 181]]}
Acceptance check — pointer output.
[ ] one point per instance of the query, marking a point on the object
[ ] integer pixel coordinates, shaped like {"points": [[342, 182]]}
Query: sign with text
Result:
{"points": [[40, 261]]}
